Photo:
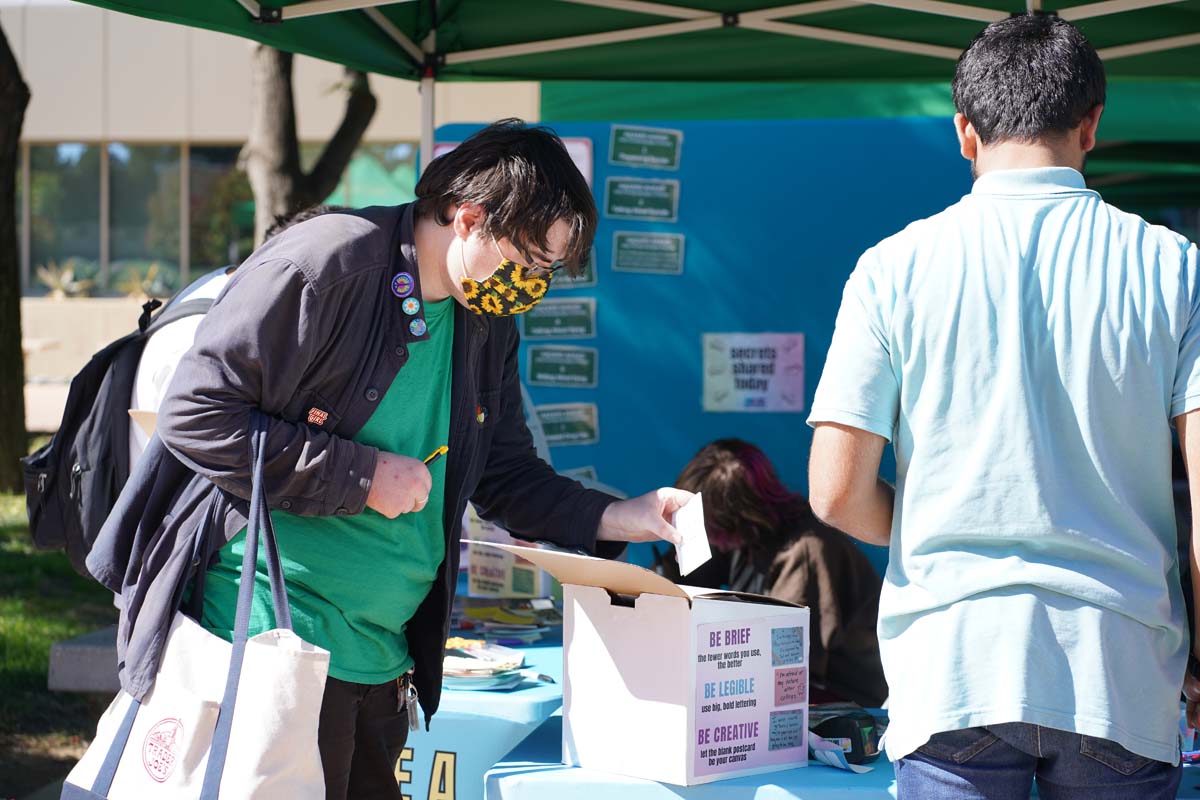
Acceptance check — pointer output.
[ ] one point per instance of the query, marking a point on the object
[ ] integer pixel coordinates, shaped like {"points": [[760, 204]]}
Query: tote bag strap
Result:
{"points": [[258, 524]]}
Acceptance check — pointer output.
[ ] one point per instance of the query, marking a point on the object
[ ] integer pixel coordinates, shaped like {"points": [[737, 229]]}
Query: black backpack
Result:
{"points": [[72, 482]]}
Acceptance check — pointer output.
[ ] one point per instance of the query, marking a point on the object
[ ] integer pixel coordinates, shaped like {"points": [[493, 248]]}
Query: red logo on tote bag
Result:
{"points": [[161, 749]]}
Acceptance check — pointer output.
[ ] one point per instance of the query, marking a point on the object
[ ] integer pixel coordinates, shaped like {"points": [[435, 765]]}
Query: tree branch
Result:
{"points": [[360, 109]]}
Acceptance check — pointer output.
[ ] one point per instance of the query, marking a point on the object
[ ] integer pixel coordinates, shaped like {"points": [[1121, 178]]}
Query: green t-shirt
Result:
{"points": [[355, 581]]}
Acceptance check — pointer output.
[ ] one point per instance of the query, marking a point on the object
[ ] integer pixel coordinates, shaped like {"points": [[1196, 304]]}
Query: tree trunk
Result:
{"points": [[271, 156], [14, 97]]}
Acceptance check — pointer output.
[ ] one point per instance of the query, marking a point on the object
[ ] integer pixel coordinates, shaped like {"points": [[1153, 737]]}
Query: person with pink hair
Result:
{"points": [[768, 541]]}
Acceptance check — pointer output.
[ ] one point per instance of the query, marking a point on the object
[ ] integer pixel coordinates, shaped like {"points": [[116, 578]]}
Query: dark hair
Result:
{"points": [[282, 223], [524, 179], [1026, 77], [745, 503]]}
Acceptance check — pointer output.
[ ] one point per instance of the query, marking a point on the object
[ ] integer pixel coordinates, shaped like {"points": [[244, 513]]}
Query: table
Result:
{"points": [[532, 771], [474, 730]]}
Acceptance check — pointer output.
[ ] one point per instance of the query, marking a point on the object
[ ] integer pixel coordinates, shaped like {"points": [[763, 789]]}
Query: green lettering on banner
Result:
{"points": [[647, 199], [652, 148], [570, 423], [659, 253], [557, 365], [561, 319]]}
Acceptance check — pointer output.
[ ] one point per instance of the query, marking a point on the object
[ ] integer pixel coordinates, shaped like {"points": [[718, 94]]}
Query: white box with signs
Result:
{"points": [[677, 684]]}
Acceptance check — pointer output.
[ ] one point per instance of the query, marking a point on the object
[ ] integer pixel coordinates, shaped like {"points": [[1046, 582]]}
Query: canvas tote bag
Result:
{"points": [[236, 721]]}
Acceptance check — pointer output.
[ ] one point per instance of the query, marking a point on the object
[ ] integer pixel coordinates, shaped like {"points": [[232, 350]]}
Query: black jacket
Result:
{"points": [[310, 332]]}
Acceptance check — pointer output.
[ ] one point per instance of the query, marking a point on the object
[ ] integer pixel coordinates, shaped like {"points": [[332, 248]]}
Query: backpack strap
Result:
{"points": [[177, 311], [148, 309]]}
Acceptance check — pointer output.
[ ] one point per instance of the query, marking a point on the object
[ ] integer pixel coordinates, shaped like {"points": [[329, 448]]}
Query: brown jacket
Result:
{"points": [[823, 569]]}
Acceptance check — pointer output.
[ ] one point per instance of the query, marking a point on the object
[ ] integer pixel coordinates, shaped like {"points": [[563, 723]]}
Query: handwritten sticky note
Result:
{"points": [[787, 646], [791, 686], [787, 730], [689, 521]]}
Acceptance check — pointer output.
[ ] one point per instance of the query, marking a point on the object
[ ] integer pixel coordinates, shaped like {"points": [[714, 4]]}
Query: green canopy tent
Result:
{"points": [[680, 40]]}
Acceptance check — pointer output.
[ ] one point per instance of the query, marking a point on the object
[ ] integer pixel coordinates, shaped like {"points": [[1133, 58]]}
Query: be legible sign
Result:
{"points": [[645, 199], [570, 423], [652, 148], [561, 319], [660, 253], [754, 372], [558, 365]]}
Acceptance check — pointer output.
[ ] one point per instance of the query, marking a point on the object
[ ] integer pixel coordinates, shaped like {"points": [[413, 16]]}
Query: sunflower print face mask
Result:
{"points": [[511, 289]]}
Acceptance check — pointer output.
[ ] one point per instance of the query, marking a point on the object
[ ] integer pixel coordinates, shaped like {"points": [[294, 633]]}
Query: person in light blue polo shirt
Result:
{"points": [[1025, 351]]}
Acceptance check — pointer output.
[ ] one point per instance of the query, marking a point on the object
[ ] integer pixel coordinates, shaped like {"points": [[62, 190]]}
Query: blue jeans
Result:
{"points": [[1001, 762]]}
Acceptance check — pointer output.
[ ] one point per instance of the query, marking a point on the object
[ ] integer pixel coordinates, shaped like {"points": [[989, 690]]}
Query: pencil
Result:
{"points": [[436, 454]]}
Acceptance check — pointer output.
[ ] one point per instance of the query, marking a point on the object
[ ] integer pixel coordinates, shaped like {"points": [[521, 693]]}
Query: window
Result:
{"points": [[222, 209], [143, 196], [64, 228]]}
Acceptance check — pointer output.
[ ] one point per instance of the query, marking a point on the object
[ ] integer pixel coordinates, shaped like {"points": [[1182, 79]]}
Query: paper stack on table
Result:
{"points": [[476, 665], [507, 625]]}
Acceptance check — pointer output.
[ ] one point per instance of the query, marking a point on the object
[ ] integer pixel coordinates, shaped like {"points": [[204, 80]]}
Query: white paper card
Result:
{"points": [[689, 521], [831, 754]]}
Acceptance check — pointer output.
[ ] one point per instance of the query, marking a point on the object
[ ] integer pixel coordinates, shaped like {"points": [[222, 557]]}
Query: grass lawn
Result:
{"points": [[42, 601]]}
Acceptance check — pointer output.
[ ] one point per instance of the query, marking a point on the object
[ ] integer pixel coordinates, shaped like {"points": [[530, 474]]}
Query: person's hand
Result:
{"points": [[643, 519], [1191, 690], [401, 485]]}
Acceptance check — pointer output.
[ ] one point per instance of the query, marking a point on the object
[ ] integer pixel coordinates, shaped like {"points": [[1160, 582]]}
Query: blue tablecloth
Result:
{"points": [[474, 730], [533, 771]]}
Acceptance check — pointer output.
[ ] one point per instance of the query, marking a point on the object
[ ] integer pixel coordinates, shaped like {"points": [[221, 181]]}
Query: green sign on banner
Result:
{"points": [[660, 253], [570, 423], [561, 319], [554, 365], [654, 148], [584, 281], [647, 199]]}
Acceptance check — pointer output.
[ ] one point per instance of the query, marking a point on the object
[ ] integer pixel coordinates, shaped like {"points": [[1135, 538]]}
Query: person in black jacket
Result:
{"points": [[371, 338]]}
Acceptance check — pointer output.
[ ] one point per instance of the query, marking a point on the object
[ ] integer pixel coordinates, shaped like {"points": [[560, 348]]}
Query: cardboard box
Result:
{"points": [[677, 684]]}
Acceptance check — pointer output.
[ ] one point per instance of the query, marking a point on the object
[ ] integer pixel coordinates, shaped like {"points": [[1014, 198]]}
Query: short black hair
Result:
{"points": [[525, 180], [285, 221], [1027, 77]]}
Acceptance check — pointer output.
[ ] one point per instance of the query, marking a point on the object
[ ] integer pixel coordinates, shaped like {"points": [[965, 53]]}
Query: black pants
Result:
{"points": [[361, 735]]}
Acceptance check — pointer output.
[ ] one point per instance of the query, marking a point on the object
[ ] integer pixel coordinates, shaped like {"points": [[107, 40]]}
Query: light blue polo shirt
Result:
{"points": [[1024, 351]]}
